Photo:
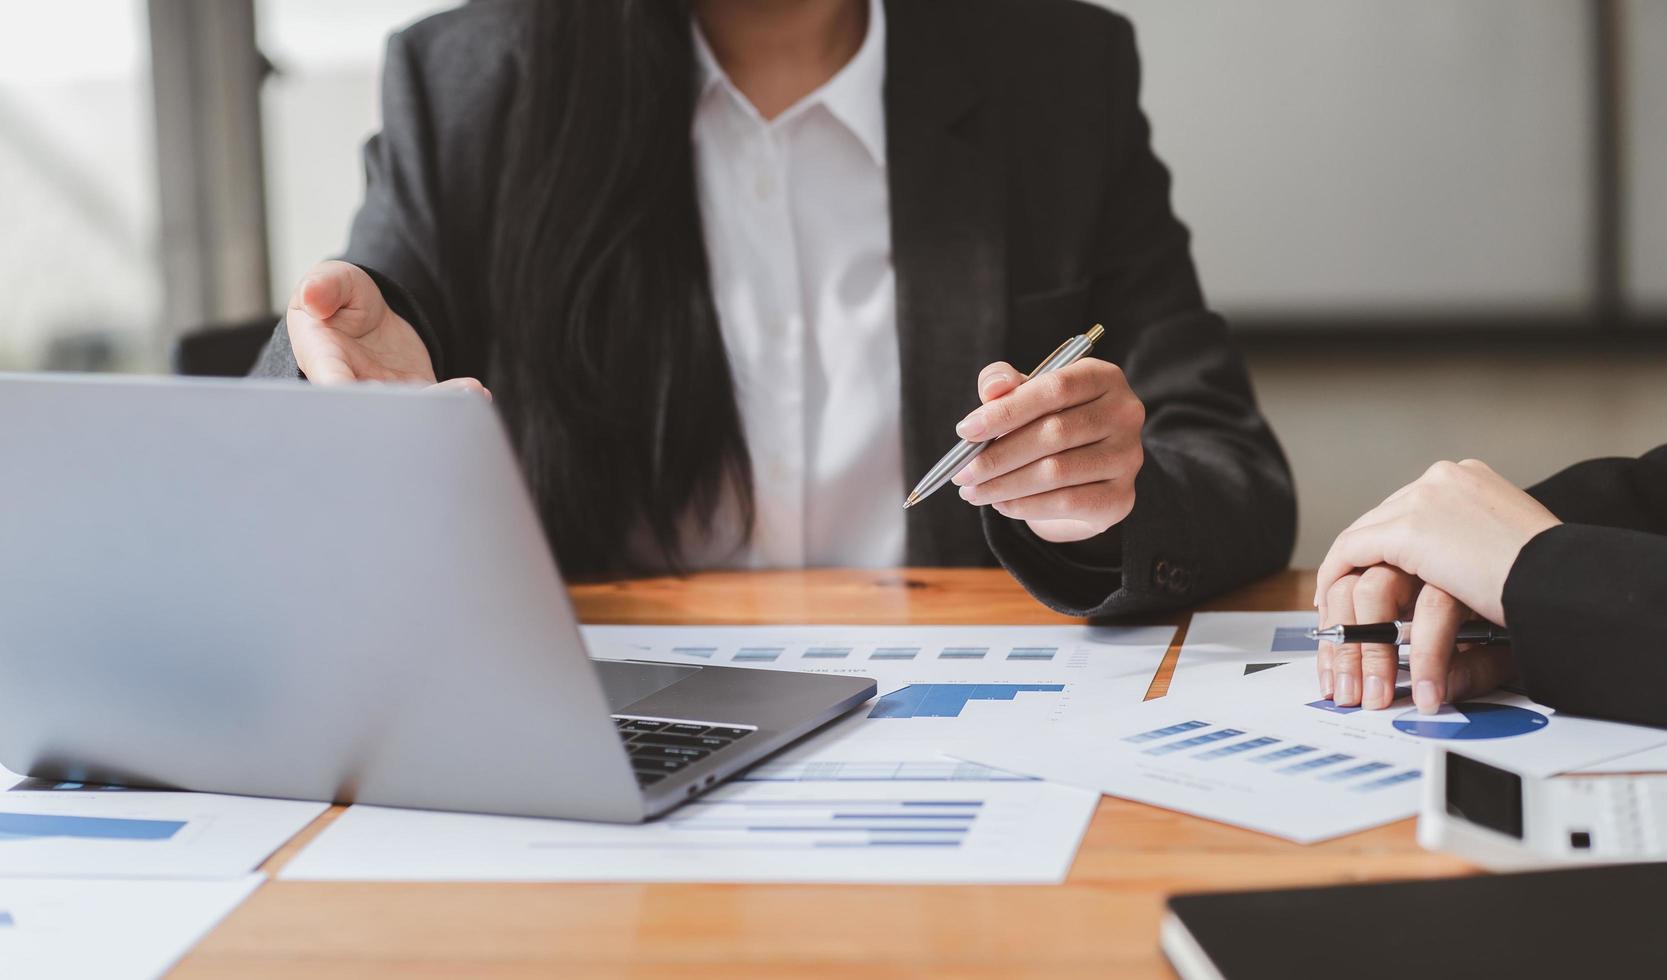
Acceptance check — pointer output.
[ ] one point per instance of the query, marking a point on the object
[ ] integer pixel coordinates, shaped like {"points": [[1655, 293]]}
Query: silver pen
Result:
{"points": [[965, 452]]}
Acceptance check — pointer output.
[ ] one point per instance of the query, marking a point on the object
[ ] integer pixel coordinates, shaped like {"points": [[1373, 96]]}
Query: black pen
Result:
{"points": [[1400, 633]]}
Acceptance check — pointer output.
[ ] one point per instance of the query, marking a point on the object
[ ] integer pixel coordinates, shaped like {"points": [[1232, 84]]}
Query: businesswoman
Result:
{"points": [[1575, 566], [735, 271]]}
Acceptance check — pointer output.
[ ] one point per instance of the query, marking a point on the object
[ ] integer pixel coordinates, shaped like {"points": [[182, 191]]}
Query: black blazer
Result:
{"points": [[1587, 601], [1026, 204]]}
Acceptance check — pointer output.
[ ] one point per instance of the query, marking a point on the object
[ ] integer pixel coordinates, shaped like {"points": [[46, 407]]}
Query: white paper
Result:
{"points": [[890, 830], [1649, 760], [938, 685], [870, 799], [111, 929], [1242, 643], [1261, 752], [113, 833]]}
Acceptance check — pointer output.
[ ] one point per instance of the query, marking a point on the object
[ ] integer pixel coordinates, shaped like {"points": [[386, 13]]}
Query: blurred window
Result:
{"points": [[80, 284], [1363, 157], [319, 107], [1644, 164]]}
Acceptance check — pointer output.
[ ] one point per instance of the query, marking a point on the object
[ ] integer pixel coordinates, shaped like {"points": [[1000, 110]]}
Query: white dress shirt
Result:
{"points": [[797, 219]]}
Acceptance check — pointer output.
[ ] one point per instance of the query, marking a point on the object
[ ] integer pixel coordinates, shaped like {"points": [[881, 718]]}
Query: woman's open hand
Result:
{"points": [[1069, 452], [342, 331]]}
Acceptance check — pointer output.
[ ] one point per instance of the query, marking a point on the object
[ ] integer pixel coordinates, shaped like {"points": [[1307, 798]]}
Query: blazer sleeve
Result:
{"points": [[1214, 502], [419, 234], [1587, 608], [1623, 493]]}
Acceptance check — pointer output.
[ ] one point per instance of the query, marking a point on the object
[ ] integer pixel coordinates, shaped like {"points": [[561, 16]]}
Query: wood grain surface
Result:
{"points": [[1102, 922]]}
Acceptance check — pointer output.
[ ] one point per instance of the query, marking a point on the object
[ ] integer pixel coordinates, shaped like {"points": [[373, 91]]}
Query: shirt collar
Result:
{"points": [[855, 95]]}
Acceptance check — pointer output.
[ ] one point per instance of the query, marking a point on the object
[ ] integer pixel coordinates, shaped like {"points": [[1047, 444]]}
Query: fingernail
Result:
{"points": [[997, 379], [967, 494], [1346, 694], [1375, 696], [1325, 683], [1424, 695], [972, 427]]}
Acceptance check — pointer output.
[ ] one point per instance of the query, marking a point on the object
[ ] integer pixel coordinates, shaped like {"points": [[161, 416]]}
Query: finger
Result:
{"points": [[1105, 503], [1323, 659], [1073, 467], [1345, 660], [1358, 549], [1478, 670], [997, 380], [1436, 619], [463, 384], [328, 287], [1055, 433], [1055, 391], [326, 366], [1381, 596]]}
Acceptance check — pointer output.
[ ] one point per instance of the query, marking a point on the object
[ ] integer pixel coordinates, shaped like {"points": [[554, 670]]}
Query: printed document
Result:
{"points": [[114, 929], [872, 798], [70, 829], [1263, 752]]}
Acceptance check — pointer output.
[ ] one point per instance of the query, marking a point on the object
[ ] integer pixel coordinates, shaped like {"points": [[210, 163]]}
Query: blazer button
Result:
{"points": [[1160, 573]]}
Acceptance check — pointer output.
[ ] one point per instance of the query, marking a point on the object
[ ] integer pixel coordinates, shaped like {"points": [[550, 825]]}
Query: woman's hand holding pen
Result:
{"points": [[1069, 452], [342, 331], [1439, 547]]}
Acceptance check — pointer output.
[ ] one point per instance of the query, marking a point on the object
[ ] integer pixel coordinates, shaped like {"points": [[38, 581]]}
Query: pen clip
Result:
{"points": [[1050, 357]]}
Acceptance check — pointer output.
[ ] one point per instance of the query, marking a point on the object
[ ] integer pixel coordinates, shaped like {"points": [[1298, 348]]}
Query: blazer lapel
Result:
{"points": [[949, 253]]}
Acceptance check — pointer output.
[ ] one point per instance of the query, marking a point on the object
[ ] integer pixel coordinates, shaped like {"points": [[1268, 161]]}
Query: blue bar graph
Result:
{"points": [[1032, 653], [1196, 740], [1284, 753], [1312, 764], [894, 653], [1237, 747], [1157, 733], [947, 700], [963, 653], [28, 826], [705, 653], [757, 654], [1354, 771], [827, 653], [1388, 781], [1293, 639], [6, 919]]}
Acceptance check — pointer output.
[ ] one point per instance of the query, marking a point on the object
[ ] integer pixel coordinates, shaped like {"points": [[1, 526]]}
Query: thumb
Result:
{"points": [[463, 384], [997, 380], [329, 287]]}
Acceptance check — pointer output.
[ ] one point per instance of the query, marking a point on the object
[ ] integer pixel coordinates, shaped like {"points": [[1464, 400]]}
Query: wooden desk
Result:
{"points": [[1102, 922]]}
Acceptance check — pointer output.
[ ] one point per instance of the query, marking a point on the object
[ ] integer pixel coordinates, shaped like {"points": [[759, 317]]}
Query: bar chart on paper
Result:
{"points": [[887, 830], [1271, 780], [937, 684], [948, 700], [73, 829]]}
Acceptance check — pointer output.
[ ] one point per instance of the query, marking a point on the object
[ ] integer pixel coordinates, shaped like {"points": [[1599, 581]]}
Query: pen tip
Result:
{"points": [[913, 499]]}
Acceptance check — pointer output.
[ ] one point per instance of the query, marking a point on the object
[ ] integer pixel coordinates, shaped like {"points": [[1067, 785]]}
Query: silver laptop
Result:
{"points": [[333, 594]]}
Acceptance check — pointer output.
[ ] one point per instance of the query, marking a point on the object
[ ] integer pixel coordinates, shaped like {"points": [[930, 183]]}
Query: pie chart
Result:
{"points": [[1472, 720]]}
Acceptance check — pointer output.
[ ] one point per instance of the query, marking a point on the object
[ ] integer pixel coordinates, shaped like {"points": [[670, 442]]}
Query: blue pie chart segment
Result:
{"points": [[1473, 720]]}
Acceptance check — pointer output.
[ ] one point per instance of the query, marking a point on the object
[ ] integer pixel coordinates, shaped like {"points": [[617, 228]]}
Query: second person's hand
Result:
{"points": [[342, 330], [1069, 450]]}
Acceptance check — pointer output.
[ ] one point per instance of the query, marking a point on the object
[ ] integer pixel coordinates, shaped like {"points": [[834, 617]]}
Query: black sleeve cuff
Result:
{"points": [[1144, 564], [1587, 607]]}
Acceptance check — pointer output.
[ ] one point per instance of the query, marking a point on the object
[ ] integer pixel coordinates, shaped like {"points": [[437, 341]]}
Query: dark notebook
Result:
{"points": [[1586, 922]]}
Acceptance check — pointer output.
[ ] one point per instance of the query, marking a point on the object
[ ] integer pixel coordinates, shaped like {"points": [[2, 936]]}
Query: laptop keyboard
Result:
{"points": [[658, 747]]}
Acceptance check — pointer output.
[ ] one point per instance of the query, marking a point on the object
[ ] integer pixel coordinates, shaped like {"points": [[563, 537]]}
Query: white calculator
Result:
{"points": [[1503, 821]]}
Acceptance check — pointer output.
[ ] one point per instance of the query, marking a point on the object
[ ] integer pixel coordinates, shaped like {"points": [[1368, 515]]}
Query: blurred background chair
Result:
{"points": [[224, 351]]}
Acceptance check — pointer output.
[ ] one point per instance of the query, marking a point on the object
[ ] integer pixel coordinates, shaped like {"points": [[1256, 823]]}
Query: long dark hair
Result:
{"points": [[608, 364]]}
